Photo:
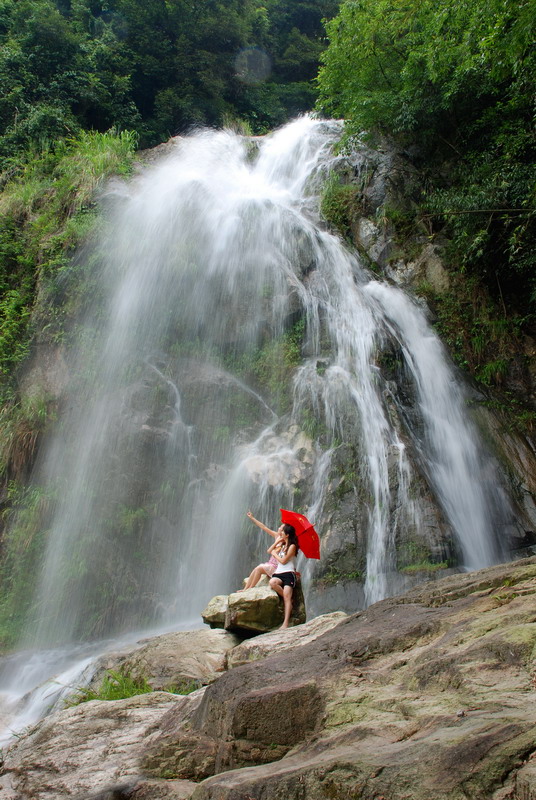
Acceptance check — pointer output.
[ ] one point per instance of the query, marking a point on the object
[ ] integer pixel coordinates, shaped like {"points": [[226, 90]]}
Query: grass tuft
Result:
{"points": [[122, 683]]}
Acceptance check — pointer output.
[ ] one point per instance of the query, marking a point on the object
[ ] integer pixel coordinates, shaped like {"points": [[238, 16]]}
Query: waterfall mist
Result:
{"points": [[229, 352]]}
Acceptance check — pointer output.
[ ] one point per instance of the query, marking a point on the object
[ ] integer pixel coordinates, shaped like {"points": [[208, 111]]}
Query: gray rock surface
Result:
{"points": [[427, 696], [173, 659], [91, 746]]}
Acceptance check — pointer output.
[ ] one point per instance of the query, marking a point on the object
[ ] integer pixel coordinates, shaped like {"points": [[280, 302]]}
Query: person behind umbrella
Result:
{"points": [[285, 550], [269, 567]]}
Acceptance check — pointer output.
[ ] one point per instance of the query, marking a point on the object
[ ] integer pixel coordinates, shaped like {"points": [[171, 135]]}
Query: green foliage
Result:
{"points": [[503, 598], [485, 341], [314, 427], [131, 520], [425, 67], [22, 423], [183, 687], [46, 211], [22, 546], [424, 566], [334, 576], [410, 554], [122, 683], [274, 364], [339, 204], [154, 66], [116, 685], [293, 36], [493, 372], [488, 211], [455, 79]]}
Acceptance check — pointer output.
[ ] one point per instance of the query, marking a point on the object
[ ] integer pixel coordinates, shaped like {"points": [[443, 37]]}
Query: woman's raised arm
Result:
{"points": [[261, 525]]}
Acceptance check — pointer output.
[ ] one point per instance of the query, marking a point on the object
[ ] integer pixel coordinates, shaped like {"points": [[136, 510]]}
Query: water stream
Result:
{"points": [[229, 348]]}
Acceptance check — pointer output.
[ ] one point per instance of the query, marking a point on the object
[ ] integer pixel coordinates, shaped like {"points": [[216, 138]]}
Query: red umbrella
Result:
{"points": [[308, 538]]}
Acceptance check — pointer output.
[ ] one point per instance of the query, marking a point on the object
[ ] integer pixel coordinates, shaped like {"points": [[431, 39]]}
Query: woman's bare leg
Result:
{"points": [[254, 577], [286, 593], [287, 600]]}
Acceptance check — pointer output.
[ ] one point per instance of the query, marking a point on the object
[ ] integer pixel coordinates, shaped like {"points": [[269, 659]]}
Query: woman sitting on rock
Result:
{"points": [[267, 568], [285, 550]]}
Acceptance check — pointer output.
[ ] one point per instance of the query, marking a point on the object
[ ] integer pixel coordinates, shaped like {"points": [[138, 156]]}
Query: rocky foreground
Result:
{"points": [[426, 696]]}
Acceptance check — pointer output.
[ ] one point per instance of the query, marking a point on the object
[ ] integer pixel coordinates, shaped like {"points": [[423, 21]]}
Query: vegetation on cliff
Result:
{"points": [[454, 83], [84, 83]]}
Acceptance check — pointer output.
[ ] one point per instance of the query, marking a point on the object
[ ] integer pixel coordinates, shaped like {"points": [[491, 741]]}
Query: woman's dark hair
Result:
{"points": [[290, 530]]}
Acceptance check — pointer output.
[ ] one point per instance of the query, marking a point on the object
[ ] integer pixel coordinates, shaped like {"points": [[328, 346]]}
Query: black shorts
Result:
{"points": [[286, 578]]}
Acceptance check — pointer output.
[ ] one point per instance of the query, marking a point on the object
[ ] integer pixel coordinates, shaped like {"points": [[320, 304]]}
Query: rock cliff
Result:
{"points": [[387, 191]]}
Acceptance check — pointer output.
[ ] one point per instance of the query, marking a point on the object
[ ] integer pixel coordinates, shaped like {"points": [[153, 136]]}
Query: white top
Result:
{"points": [[290, 566]]}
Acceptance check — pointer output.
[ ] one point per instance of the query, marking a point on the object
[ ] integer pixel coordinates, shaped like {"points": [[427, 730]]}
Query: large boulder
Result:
{"points": [[172, 660], [214, 613], [260, 647], [253, 611], [255, 726], [72, 753]]}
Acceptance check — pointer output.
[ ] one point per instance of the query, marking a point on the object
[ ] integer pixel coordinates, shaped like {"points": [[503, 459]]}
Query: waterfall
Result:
{"points": [[449, 445], [228, 350]]}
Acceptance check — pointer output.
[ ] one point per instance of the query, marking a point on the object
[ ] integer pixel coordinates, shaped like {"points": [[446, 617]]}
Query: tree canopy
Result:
{"points": [[153, 66], [456, 79]]}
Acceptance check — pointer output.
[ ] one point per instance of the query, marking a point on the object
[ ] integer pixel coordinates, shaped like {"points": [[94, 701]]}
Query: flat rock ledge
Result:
{"points": [[427, 696], [253, 611]]}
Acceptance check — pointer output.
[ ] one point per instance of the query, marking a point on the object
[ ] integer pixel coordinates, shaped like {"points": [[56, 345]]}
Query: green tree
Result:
{"points": [[294, 39], [457, 80]]}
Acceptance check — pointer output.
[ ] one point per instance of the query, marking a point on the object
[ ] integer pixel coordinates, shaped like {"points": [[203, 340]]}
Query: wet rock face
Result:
{"points": [[518, 453], [421, 535], [384, 178], [388, 186]]}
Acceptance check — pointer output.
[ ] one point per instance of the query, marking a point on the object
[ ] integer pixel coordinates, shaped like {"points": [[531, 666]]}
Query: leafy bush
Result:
{"points": [[116, 685]]}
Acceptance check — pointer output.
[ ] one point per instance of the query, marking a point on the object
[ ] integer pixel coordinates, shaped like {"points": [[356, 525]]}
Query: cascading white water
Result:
{"points": [[464, 479], [211, 257], [196, 271]]}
